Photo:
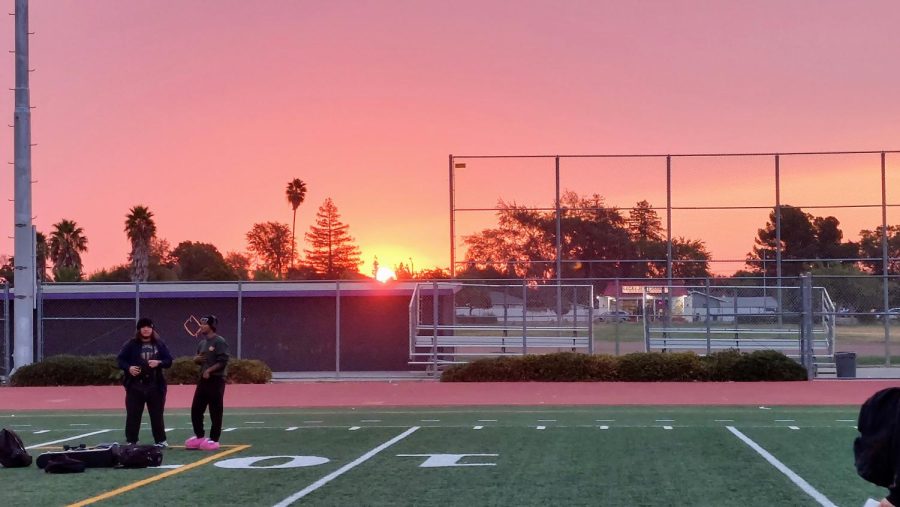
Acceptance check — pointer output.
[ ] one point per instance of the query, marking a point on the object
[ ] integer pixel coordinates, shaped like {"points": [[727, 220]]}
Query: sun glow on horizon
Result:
{"points": [[384, 274]]}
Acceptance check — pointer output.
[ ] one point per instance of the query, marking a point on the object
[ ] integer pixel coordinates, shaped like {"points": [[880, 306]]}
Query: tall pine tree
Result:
{"points": [[332, 253]]}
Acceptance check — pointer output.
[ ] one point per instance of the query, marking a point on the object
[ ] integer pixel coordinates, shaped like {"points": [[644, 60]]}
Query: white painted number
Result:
{"points": [[288, 462], [449, 460]]}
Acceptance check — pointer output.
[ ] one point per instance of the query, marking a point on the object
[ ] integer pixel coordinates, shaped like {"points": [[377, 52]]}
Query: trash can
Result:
{"points": [[845, 364]]}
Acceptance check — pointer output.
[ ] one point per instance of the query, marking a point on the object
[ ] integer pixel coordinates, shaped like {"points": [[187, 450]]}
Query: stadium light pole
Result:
{"points": [[23, 277]]}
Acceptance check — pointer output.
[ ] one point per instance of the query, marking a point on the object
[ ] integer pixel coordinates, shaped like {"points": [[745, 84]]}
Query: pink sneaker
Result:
{"points": [[194, 443], [209, 445]]}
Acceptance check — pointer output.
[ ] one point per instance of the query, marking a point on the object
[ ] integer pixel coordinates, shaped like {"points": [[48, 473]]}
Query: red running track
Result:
{"points": [[408, 394]]}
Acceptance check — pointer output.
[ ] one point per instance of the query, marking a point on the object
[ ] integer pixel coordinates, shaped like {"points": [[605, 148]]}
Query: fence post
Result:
{"points": [[337, 329], [616, 314], [240, 320], [885, 267], [806, 323], [137, 301], [708, 330], [590, 290], [524, 316], [6, 352], [435, 317], [39, 310]]}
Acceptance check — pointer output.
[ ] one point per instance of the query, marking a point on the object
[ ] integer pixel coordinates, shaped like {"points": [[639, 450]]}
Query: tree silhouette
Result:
{"points": [[270, 243], [332, 253], [67, 243], [296, 194], [141, 230]]}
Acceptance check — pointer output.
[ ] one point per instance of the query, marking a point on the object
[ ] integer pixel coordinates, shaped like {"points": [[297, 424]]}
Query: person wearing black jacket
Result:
{"points": [[143, 358]]}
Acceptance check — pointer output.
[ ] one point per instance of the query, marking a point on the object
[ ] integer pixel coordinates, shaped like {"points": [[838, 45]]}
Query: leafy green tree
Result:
{"points": [[270, 243], [803, 239], [42, 251], [870, 248], [67, 243], [201, 261], [7, 269], [850, 287], [332, 252], [121, 273], [296, 194], [596, 239], [432, 274], [239, 264]]}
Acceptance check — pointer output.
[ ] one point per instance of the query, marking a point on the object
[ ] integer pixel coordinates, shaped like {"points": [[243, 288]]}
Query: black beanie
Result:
{"points": [[144, 322], [211, 320]]}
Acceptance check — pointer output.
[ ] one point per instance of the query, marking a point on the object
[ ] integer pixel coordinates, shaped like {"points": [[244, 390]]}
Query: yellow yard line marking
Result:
{"points": [[149, 480]]}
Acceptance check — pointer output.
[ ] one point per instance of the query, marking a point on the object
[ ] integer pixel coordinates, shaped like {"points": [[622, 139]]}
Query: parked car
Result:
{"points": [[615, 316], [892, 314]]}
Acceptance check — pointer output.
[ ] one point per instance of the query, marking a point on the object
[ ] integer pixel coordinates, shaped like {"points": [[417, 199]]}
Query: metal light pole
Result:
{"points": [[24, 245]]}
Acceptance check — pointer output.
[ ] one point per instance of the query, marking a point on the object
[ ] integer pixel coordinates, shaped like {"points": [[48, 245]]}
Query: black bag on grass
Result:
{"points": [[138, 456], [877, 449], [12, 450], [64, 464]]}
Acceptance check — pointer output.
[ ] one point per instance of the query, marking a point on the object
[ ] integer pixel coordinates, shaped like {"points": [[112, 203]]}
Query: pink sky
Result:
{"points": [[203, 110]]}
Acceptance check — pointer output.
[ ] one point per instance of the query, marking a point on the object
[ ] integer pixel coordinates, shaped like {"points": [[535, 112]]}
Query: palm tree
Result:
{"points": [[140, 229], [67, 243], [296, 194]]}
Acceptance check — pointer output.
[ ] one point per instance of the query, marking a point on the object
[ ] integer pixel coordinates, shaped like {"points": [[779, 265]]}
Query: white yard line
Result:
{"points": [[794, 427], [67, 439], [292, 428], [541, 427], [340, 471], [41, 431], [796, 479], [477, 427], [667, 427], [226, 430], [604, 427], [354, 428]]}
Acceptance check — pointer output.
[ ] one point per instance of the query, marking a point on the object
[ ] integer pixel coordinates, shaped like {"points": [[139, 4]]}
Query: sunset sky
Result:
{"points": [[203, 110]]}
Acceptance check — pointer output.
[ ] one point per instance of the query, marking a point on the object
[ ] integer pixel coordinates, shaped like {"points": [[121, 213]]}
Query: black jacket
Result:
{"points": [[130, 355]]}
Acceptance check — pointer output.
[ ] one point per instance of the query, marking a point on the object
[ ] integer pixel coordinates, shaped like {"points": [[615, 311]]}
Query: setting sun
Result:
{"points": [[384, 274]]}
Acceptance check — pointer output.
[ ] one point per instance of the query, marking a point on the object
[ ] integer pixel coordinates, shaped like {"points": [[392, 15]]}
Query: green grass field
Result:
{"points": [[468, 457]]}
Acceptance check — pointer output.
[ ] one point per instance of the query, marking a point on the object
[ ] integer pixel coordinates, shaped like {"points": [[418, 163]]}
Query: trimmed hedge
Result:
{"points": [[67, 370], [731, 365]]}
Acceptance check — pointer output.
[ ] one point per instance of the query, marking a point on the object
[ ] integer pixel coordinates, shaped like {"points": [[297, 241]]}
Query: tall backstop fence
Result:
{"points": [[647, 213]]}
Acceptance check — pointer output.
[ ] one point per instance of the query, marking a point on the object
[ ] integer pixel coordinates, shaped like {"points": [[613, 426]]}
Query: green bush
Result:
{"points": [[559, 367], [248, 371], [767, 365], [661, 366], [729, 365], [239, 371], [67, 370], [720, 365]]}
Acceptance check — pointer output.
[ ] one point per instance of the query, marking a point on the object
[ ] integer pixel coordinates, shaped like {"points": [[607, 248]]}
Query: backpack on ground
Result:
{"points": [[138, 456], [64, 464], [12, 450], [876, 449]]}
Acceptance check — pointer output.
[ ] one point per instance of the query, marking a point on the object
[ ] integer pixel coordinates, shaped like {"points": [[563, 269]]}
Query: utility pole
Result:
{"points": [[24, 277]]}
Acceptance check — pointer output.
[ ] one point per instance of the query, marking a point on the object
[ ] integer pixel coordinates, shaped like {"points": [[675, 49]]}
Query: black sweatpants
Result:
{"points": [[209, 393], [136, 396]]}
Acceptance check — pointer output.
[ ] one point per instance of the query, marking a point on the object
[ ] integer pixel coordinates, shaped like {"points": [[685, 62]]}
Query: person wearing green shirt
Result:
{"points": [[212, 356]]}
